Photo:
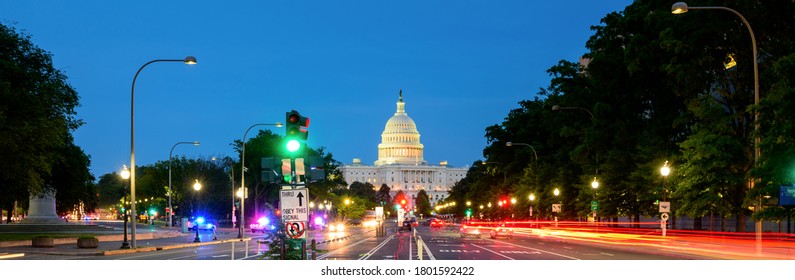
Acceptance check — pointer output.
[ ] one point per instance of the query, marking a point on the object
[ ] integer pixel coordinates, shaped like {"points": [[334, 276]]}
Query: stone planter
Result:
{"points": [[43, 242], [87, 242]]}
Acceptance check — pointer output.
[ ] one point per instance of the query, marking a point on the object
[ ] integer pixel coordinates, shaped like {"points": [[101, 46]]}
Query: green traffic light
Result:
{"points": [[293, 145]]}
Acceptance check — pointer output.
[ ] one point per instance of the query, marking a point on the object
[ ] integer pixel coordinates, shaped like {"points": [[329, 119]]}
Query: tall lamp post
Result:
{"points": [[196, 186], [125, 174], [186, 60], [664, 171], [242, 232], [532, 199], [511, 144], [170, 209], [594, 204], [556, 192], [681, 8], [593, 121]]}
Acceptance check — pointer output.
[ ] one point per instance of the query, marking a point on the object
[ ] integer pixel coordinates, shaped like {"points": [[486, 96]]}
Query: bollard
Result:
{"points": [[303, 249], [313, 247], [233, 251], [419, 248]]}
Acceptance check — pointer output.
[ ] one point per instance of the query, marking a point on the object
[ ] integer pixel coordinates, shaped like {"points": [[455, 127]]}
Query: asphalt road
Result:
{"points": [[360, 243]]}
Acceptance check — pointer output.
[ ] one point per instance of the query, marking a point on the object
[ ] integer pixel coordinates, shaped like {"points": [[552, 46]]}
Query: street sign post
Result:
{"points": [[294, 205]]}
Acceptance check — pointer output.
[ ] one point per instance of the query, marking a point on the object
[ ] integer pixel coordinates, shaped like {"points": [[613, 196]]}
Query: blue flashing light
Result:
{"points": [[318, 221]]}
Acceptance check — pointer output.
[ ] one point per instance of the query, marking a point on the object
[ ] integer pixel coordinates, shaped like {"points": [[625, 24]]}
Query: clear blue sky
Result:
{"points": [[462, 65]]}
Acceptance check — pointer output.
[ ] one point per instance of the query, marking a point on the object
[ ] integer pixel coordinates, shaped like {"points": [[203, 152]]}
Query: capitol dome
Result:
{"points": [[400, 141]]}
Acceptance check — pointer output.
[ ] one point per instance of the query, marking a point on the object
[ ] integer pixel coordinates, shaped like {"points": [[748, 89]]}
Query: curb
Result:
{"points": [[167, 247]]}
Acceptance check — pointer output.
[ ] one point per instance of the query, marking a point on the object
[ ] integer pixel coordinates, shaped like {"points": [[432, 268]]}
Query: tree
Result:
{"points": [[383, 198], [37, 115], [423, 203], [366, 191]]}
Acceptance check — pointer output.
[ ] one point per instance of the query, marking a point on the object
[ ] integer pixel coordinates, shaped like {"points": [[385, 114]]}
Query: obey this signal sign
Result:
{"points": [[294, 205]]}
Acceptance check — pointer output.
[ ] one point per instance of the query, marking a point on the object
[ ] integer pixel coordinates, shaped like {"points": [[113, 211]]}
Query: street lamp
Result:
{"points": [[187, 60], [593, 121], [664, 171], [681, 8], [125, 174], [558, 108], [556, 192], [196, 186], [170, 209], [510, 144], [594, 185], [242, 223], [532, 198]]}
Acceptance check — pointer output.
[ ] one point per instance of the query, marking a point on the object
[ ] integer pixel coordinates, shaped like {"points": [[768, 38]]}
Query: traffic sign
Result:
{"points": [[294, 205], [664, 216], [594, 205], [295, 230], [556, 208], [531, 211], [665, 206]]}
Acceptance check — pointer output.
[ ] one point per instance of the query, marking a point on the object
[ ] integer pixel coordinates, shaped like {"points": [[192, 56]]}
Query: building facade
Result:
{"points": [[401, 165]]}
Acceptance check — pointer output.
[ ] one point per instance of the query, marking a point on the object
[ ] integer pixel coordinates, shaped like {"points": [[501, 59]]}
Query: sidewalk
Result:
{"points": [[153, 239]]}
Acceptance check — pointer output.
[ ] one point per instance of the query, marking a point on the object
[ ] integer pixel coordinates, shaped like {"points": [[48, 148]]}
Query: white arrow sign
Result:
{"points": [[293, 205], [665, 206]]}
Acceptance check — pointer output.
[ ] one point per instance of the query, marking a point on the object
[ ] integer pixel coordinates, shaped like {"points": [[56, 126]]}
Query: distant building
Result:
{"points": [[401, 165]]}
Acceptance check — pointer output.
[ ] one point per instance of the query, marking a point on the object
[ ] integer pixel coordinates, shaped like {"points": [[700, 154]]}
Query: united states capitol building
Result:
{"points": [[401, 165]]}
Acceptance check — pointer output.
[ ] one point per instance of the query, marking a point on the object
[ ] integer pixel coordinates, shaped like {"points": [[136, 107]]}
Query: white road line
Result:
{"points": [[370, 253], [323, 256], [606, 254], [531, 248], [427, 249], [487, 249]]}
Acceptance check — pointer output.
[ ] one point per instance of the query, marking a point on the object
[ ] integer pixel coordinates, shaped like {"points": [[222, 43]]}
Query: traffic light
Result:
{"points": [[293, 133]]}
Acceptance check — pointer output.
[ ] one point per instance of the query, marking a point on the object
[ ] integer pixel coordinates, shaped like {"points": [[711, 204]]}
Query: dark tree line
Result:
{"points": [[653, 88]]}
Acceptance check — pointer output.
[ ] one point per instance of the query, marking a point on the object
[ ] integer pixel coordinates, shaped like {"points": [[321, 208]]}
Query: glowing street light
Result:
{"points": [[241, 233], [170, 209], [186, 60], [681, 8], [125, 174]]}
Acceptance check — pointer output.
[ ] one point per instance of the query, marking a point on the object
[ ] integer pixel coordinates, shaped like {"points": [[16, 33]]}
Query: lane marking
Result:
{"points": [[376, 248], [323, 256], [536, 249], [427, 249], [487, 249]]}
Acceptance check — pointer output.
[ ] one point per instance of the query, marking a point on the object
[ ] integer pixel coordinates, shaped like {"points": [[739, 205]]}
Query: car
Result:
{"points": [[336, 227], [262, 225], [501, 231], [201, 223], [470, 230], [413, 221], [436, 223], [406, 225]]}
